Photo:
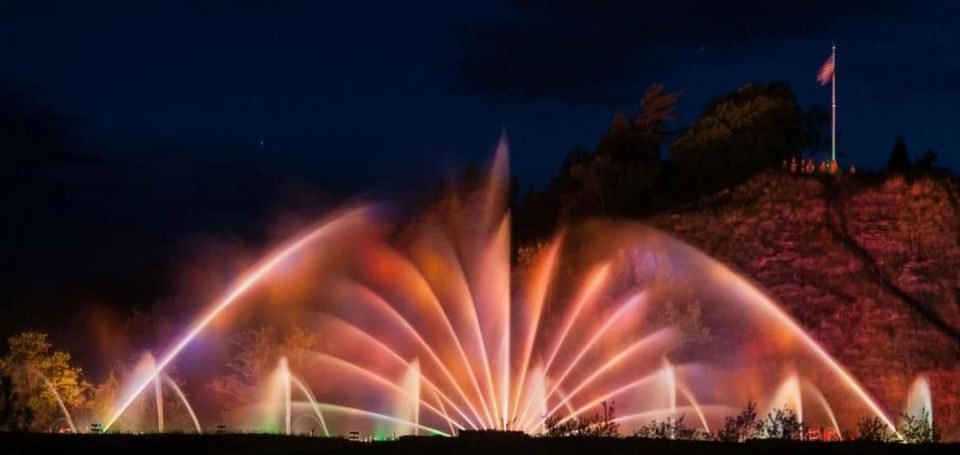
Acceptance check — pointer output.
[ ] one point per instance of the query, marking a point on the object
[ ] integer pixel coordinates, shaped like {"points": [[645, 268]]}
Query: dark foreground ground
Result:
{"points": [[16, 444]]}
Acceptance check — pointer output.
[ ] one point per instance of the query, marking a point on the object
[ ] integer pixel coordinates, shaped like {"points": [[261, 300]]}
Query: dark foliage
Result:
{"points": [[35, 135], [927, 164], [740, 134], [736, 136], [14, 416], [783, 424], [899, 161], [815, 131], [913, 429], [917, 429], [742, 427], [673, 429], [598, 425], [874, 430]]}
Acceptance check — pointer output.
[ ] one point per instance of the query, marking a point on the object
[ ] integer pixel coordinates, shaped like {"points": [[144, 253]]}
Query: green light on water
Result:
{"points": [[268, 425]]}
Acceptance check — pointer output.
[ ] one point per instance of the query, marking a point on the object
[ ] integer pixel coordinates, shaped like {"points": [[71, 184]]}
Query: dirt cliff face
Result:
{"points": [[871, 270]]}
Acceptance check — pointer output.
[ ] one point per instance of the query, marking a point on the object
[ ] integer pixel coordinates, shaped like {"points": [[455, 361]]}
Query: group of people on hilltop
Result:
{"points": [[810, 167]]}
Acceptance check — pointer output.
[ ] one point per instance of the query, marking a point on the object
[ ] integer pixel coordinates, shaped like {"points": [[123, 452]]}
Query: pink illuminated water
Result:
{"points": [[429, 331]]}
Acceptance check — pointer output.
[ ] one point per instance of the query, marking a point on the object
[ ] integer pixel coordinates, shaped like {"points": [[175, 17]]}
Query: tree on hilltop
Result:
{"points": [[899, 161]]}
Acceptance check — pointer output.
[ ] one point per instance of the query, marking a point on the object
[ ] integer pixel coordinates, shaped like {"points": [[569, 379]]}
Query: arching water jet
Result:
{"points": [[183, 398], [256, 274], [449, 306], [695, 405], [60, 404], [313, 402], [812, 389], [752, 294]]}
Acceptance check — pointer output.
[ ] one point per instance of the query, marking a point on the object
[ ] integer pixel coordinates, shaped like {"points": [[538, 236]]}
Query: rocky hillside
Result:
{"points": [[871, 269]]}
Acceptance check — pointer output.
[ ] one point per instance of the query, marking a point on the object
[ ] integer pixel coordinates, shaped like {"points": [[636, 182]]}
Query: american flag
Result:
{"points": [[826, 71]]}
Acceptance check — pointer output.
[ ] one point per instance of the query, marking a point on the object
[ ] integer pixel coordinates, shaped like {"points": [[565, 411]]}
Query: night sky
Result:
{"points": [[218, 117]]}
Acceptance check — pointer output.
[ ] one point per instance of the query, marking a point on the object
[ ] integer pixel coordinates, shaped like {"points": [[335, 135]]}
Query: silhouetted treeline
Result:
{"points": [[646, 163], [35, 135]]}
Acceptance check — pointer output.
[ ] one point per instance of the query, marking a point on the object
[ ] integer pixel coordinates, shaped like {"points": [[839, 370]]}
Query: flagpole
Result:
{"points": [[833, 104]]}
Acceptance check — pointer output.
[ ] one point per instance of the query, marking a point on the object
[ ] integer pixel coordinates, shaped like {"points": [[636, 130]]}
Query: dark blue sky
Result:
{"points": [[348, 94]]}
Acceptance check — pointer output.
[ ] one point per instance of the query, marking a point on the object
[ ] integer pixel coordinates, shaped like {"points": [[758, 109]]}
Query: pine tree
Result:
{"points": [[650, 125], [899, 161], [614, 143]]}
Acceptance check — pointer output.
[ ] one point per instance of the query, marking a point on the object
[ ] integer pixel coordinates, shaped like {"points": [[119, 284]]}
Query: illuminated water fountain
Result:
{"points": [[432, 333], [147, 368], [920, 401], [794, 391], [63, 408], [280, 395]]}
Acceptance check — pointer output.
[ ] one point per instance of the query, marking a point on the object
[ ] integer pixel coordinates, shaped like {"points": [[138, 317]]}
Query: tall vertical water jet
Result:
{"points": [[280, 394], [273, 403], [788, 395], [158, 394], [148, 363], [409, 405], [286, 379], [670, 378], [920, 400]]}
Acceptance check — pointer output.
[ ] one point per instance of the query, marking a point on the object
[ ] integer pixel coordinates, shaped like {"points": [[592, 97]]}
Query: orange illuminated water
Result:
{"points": [[430, 332]]}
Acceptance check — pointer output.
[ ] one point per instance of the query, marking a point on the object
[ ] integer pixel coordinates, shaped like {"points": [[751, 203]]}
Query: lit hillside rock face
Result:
{"points": [[911, 229], [822, 250]]}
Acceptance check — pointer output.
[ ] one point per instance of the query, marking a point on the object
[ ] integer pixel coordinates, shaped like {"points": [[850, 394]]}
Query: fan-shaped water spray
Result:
{"points": [[431, 332]]}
